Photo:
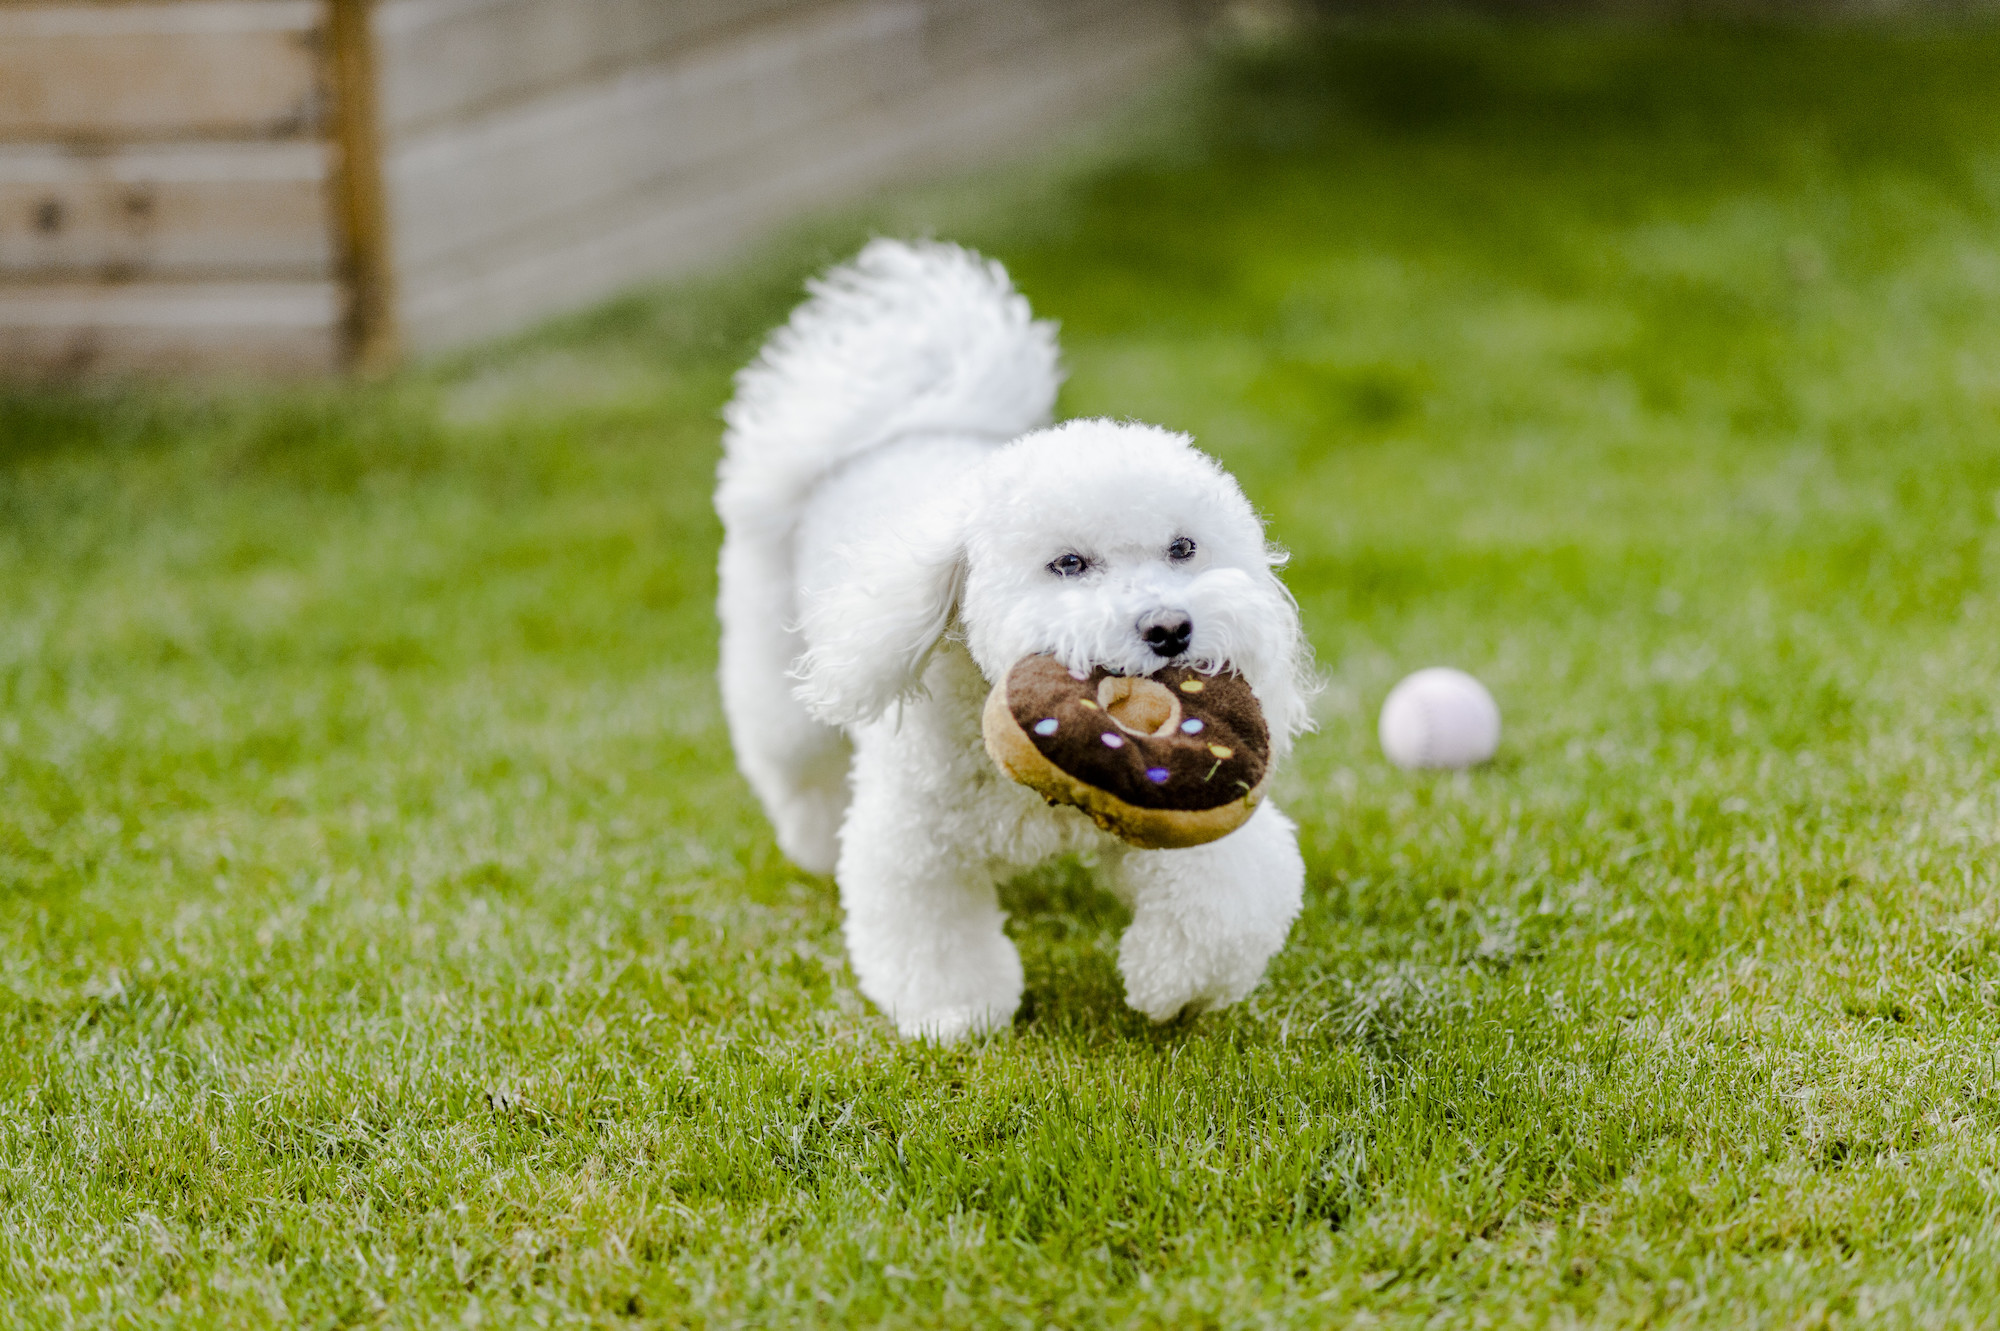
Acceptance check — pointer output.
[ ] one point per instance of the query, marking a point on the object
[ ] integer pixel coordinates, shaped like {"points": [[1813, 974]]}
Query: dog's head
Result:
{"points": [[1095, 542]]}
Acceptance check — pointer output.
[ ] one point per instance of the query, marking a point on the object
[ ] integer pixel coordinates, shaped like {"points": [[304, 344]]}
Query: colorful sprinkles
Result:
{"points": [[1154, 748]]}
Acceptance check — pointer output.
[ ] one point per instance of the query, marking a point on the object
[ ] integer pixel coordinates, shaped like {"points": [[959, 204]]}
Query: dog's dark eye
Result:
{"points": [[1181, 549], [1069, 565]]}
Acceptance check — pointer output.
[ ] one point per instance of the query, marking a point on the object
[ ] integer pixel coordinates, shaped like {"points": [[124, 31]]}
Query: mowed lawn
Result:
{"points": [[386, 938]]}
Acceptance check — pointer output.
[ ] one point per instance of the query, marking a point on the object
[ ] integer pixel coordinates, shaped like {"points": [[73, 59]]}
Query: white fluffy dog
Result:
{"points": [[898, 534]]}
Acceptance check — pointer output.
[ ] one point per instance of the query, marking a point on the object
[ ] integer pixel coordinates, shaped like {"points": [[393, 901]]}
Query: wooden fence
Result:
{"points": [[294, 185]]}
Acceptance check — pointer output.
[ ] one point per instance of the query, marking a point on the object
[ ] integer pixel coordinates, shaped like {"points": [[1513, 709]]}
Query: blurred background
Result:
{"points": [[296, 185], [303, 185]]}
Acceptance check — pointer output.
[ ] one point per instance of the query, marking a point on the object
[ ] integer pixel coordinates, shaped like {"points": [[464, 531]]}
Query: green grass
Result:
{"points": [[385, 938]]}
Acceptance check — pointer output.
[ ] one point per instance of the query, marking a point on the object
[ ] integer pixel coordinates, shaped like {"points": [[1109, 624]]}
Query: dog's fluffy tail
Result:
{"points": [[909, 337], [906, 339]]}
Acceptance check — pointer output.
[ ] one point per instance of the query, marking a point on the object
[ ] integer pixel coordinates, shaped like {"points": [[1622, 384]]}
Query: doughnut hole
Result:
{"points": [[1139, 706]]}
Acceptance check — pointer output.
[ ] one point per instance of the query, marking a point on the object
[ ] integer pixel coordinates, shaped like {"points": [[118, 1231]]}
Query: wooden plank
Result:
{"points": [[707, 213], [168, 210], [965, 34], [446, 59], [169, 328], [367, 264], [237, 68], [463, 187]]}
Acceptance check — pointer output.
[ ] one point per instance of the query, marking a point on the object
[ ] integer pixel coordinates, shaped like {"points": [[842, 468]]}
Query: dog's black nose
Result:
{"points": [[1167, 632]]}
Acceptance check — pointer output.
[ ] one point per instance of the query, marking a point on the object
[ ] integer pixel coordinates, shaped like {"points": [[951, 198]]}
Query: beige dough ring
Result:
{"points": [[1163, 761]]}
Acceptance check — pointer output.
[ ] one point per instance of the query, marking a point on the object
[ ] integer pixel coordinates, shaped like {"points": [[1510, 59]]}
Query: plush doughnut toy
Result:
{"points": [[1163, 761]]}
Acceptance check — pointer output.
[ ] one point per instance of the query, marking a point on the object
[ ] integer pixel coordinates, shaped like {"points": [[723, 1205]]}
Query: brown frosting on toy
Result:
{"points": [[1172, 759]]}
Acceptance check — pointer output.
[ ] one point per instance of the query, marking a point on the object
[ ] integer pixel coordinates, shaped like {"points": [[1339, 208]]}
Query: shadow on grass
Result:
{"points": [[1067, 926]]}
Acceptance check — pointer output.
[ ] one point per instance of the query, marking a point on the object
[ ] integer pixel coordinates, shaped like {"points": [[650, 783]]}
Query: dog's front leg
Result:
{"points": [[923, 920], [1206, 920]]}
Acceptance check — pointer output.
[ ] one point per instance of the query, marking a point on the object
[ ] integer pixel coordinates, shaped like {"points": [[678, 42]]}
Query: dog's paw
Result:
{"points": [[951, 1025], [816, 849], [944, 993], [1168, 971], [808, 826]]}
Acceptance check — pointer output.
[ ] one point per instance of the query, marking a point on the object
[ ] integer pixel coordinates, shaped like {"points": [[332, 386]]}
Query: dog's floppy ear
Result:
{"points": [[1289, 681], [869, 636], [1259, 620]]}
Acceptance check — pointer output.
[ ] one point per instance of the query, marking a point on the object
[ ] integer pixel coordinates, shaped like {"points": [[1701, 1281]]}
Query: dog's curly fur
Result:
{"points": [[892, 514]]}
